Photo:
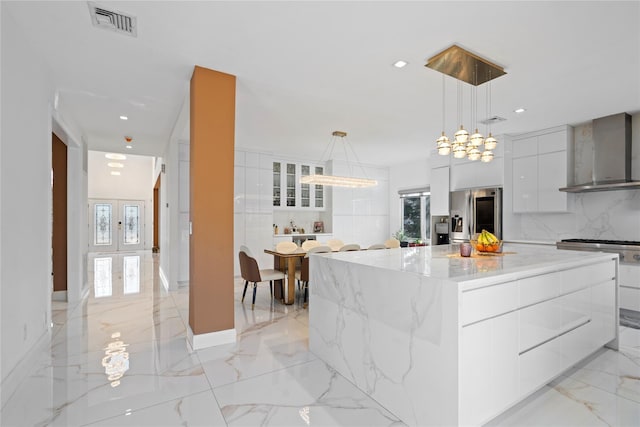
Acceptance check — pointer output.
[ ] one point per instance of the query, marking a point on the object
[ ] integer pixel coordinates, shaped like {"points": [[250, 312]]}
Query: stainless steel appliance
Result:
{"points": [[442, 233], [611, 168], [475, 210], [629, 251]]}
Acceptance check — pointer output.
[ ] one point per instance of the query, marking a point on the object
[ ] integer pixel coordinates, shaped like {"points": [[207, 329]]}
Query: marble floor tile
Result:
{"points": [[616, 372], [268, 377], [268, 345], [200, 409], [307, 394], [568, 402]]}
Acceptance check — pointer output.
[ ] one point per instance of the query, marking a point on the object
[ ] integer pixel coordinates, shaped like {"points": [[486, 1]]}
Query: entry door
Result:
{"points": [[116, 225]]}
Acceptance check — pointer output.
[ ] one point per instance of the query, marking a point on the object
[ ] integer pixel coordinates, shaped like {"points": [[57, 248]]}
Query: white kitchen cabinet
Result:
{"points": [[440, 191], [489, 355], [519, 335], [630, 286], [552, 173], [470, 174], [525, 184], [253, 210], [289, 193], [541, 166]]}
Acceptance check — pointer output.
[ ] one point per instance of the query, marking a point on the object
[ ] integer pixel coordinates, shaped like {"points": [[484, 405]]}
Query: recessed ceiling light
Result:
{"points": [[129, 146], [115, 165], [124, 118], [115, 172], [400, 63], [519, 110], [115, 156]]}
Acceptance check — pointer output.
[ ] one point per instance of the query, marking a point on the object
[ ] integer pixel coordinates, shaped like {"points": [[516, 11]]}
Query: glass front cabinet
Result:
{"points": [[288, 192]]}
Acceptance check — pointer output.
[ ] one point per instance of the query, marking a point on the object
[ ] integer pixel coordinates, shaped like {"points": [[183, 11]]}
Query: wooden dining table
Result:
{"points": [[286, 262]]}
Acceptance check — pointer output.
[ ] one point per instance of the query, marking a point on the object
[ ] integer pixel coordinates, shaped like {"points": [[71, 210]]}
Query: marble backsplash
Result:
{"points": [[601, 215], [611, 215]]}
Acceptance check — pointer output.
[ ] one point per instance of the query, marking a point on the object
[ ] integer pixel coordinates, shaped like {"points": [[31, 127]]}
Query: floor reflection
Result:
{"points": [[128, 282], [116, 360], [131, 268], [102, 278]]}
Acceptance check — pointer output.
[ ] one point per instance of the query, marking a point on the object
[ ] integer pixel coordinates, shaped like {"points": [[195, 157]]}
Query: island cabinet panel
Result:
{"points": [[479, 304], [458, 344], [518, 335], [489, 355]]}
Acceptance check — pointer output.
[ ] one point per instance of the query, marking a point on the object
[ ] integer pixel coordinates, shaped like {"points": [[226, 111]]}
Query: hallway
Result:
{"points": [[121, 358]]}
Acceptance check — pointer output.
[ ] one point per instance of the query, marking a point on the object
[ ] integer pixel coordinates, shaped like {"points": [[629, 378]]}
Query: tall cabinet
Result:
{"points": [[439, 184], [253, 210], [541, 165]]}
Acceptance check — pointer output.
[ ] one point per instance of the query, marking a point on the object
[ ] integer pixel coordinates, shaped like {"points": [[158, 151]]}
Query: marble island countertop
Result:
{"points": [[438, 339], [444, 262]]}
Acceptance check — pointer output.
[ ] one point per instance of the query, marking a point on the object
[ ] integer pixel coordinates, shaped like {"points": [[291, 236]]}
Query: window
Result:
{"points": [[416, 214]]}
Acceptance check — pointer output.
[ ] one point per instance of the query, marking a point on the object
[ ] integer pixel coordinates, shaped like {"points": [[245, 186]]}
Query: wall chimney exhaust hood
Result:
{"points": [[611, 156]]}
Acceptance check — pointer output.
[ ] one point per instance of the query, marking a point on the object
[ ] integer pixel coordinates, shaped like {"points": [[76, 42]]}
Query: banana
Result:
{"points": [[490, 237]]}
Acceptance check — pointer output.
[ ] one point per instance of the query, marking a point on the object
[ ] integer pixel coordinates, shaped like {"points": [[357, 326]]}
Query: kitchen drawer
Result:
{"points": [[482, 303], [629, 275], [539, 365], [539, 288], [630, 298], [582, 277], [539, 323], [578, 342]]}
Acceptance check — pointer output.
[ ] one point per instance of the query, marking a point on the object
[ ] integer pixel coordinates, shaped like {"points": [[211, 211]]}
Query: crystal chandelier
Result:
{"points": [[466, 67], [340, 181]]}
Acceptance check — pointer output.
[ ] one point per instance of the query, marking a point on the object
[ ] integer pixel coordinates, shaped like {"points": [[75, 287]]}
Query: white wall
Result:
{"points": [[600, 215], [135, 183], [25, 218], [183, 211], [406, 176], [360, 215]]}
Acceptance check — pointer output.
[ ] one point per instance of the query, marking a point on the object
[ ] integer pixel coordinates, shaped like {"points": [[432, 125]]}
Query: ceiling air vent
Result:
{"points": [[113, 20], [493, 120]]}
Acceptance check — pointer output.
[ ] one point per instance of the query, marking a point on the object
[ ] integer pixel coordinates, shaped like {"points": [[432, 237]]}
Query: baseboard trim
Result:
{"points": [[59, 296], [163, 278], [210, 339], [19, 372]]}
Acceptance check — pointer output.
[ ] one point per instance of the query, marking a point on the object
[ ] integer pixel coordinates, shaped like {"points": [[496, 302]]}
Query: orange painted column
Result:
{"points": [[212, 110]]}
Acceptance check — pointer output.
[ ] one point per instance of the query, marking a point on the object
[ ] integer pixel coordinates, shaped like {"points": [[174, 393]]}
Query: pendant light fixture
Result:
{"points": [[340, 181], [466, 67], [443, 143]]}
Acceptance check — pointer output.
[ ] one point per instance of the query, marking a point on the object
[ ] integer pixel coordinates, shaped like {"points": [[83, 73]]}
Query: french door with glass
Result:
{"points": [[116, 225]]}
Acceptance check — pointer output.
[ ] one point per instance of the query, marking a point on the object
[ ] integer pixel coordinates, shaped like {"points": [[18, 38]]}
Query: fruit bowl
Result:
{"points": [[483, 245]]}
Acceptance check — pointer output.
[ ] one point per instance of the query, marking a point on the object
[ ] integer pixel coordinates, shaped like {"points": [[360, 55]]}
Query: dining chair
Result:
{"points": [[286, 247], [335, 244], [350, 247], [250, 272], [246, 250], [392, 243], [302, 276], [308, 244], [376, 246]]}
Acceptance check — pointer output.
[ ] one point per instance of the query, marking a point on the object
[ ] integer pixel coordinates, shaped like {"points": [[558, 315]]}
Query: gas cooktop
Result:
{"points": [[628, 250], [604, 242]]}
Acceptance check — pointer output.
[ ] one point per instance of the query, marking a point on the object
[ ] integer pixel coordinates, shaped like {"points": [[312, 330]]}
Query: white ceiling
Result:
{"points": [[306, 68]]}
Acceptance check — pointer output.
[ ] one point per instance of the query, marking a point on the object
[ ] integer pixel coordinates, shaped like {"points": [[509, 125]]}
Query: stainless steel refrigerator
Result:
{"points": [[475, 210]]}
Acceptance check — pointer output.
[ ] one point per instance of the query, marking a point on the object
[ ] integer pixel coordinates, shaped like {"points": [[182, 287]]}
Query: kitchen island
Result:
{"points": [[442, 340]]}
